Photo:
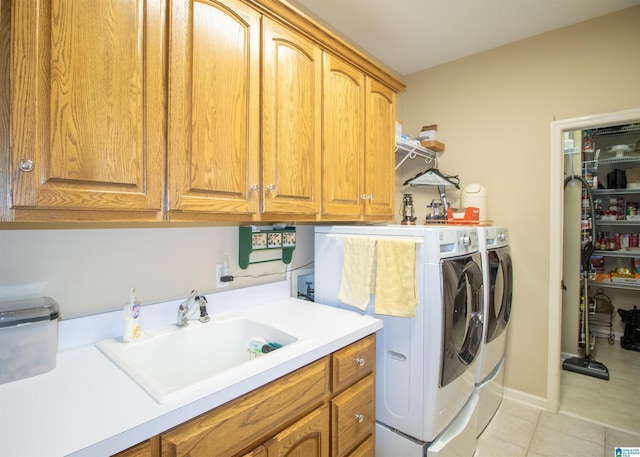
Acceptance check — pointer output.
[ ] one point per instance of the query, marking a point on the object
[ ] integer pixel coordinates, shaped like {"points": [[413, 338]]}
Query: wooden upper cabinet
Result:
{"points": [[214, 107], [379, 151], [87, 106], [358, 142], [343, 139], [291, 122]]}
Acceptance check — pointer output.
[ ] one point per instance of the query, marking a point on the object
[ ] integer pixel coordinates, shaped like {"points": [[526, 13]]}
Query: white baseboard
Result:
{"points": [[527, 399]]}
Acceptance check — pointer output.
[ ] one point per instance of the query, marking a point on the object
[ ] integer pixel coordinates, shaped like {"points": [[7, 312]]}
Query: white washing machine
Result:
{"points": [[425, 365], [498, 280]]}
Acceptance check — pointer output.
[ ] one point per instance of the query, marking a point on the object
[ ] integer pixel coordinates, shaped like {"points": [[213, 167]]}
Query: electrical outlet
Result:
{"points": [[221, 270]]}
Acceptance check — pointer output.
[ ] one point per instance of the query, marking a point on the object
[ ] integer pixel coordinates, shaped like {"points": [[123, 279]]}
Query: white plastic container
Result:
{"points": [[475, 195], [28, 338]]}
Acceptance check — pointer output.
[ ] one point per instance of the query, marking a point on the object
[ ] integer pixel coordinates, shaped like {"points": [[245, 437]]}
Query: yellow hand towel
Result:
{"points": [[396, 293], [357, 269]]}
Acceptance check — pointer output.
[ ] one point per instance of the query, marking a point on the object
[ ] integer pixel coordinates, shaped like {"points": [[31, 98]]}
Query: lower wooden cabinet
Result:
{"points": [[249, 420], [308, 413], [309, 437]]}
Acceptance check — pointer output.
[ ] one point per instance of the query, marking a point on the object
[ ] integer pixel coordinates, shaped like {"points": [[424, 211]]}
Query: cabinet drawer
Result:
{"points": [[248, 420], [366, 449], [353, 362], [353, 416]]}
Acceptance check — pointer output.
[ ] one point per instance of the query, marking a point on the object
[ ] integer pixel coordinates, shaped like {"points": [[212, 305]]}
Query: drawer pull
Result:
{"points": [[360, 418], [360, 361]]}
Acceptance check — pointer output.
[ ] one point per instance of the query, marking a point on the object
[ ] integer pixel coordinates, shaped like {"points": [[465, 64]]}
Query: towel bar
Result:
{"points": [[416, 240]]}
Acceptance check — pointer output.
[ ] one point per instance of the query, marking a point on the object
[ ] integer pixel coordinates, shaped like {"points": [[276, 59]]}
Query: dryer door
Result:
{"points": [[462, 310], [500, 292]]}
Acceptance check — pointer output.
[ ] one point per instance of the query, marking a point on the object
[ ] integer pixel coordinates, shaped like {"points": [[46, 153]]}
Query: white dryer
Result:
{"points": [[425, 365], [498, 290]]}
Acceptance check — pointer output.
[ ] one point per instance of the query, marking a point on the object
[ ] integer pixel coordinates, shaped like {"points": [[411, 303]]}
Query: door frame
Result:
{"points": [[556, 211]]}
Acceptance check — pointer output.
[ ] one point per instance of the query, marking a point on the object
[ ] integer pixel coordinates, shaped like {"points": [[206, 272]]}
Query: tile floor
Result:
{"points": [[595, 415], [519, 430], [615, 402]]}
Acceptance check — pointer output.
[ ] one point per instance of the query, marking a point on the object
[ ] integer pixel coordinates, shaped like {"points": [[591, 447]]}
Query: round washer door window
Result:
{"points": [[462, 311]]}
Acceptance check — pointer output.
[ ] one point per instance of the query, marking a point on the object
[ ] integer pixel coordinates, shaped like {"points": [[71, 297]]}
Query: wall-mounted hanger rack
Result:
{"points": [[412, 149]]}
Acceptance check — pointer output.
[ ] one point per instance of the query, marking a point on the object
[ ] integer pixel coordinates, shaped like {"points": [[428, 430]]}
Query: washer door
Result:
{"points": [[500, 292], [462, 310]]}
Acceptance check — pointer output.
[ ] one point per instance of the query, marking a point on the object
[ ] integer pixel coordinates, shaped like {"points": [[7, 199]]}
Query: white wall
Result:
{"points": [[493, 112], [90, 270]]}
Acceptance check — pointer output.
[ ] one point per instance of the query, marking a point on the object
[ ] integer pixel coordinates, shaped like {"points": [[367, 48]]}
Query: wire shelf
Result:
{"points": [[617, 129], [413, 150]]}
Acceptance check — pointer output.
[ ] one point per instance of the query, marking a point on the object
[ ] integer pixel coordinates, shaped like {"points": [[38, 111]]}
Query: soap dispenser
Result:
{"points": [[131, 323]]}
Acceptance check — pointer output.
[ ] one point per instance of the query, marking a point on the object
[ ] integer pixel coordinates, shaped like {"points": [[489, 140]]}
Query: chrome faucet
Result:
{"points": [[188, 307]]}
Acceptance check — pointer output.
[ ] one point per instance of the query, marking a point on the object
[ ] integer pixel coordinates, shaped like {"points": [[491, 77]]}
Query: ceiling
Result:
{"points": [[412, 35]]}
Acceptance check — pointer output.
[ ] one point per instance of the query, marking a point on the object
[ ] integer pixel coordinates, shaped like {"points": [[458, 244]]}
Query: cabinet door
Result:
{"points": [[343, 139], [88, 106], [291, 122], [379, 160], [353, 416], [309, 437], [214, 104]]}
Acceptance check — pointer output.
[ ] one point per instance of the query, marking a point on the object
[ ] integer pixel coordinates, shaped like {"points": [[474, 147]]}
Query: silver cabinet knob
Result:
{"points": [[271, 187], [26, 165], [360, 418], [371, 197], [363, 196], [360, 361], [254, 188]]}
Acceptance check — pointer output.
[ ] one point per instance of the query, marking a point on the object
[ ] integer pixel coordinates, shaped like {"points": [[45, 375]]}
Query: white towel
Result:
{"points": [[396, 293], [357, 271]]}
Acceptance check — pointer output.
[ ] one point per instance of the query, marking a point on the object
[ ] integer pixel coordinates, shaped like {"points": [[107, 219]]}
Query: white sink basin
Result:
{"points": [[171, 360]]}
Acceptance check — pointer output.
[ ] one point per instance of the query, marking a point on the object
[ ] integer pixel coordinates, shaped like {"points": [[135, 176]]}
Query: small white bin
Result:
{"points": [[475, 195], [28, 338]]}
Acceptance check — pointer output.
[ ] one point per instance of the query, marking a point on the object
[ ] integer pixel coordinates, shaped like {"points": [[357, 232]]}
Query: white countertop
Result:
{"points": [[87, 406]]}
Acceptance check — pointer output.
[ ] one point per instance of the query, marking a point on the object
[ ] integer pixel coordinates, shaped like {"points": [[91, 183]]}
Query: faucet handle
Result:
{"points": [[204, 316]]}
